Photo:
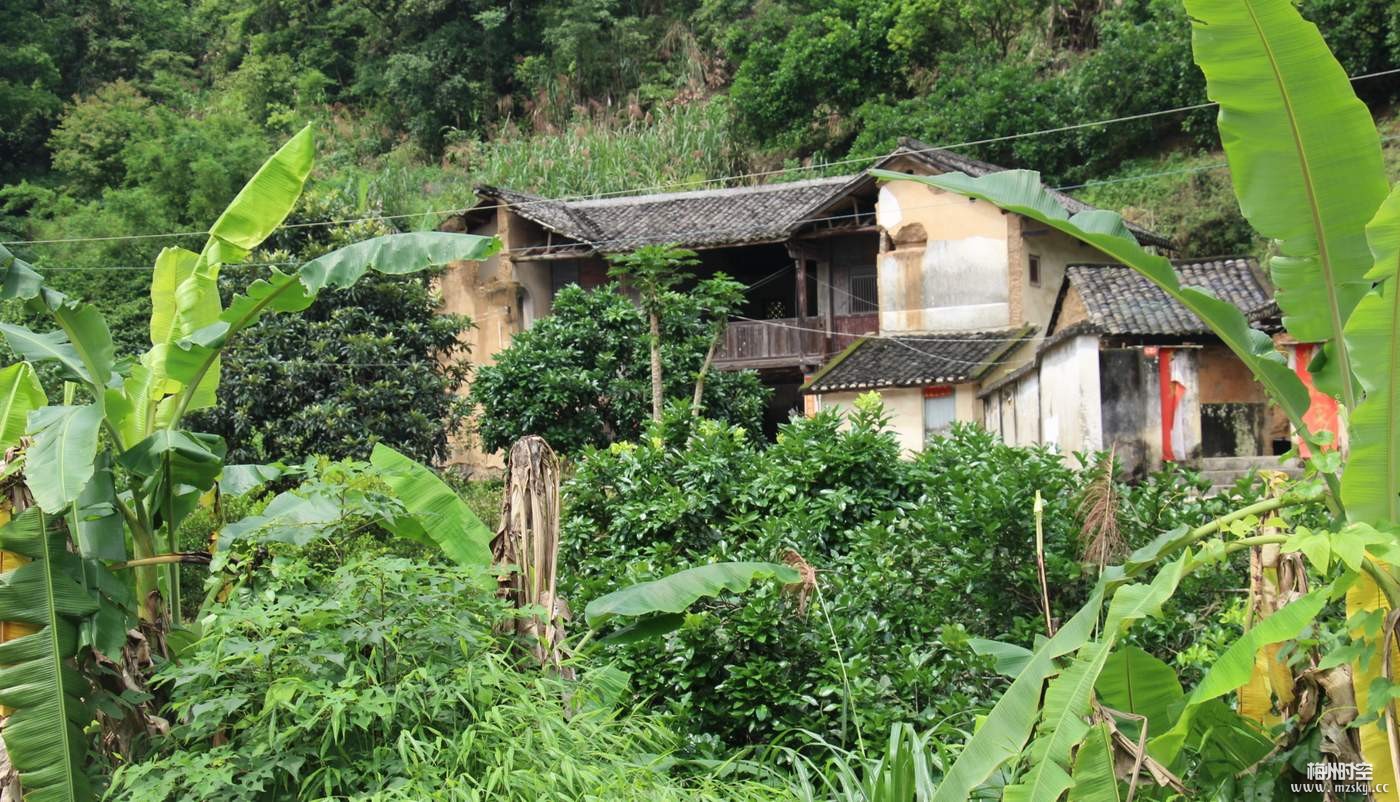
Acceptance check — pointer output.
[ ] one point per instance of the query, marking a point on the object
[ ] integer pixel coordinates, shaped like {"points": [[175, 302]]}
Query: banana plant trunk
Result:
{"points": [[527, 542]]}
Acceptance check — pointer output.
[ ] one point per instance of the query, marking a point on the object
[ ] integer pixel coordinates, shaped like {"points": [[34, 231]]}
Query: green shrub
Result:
{"points": [[383, 679], [581, 377], [912, 556]]}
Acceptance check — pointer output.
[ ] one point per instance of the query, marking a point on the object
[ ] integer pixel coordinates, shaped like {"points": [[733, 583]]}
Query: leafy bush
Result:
{"points": [[383, 679], [376, 362], [580, 377], [911, 557]]}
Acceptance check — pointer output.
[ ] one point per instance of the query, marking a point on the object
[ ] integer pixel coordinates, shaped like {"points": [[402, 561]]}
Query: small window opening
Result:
{"points": [[1034, 271]]}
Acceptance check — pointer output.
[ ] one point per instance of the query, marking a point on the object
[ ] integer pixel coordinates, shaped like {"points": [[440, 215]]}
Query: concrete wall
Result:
{"points": [[905, 408], [1025, 412], [1069, 395], [1235, 417], [1057, 251], [485, 292], [947, 270], [1124, 408]]}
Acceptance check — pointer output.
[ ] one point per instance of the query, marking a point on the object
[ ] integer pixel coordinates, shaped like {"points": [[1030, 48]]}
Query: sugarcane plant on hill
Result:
{"points": [[1092, 719], [112, 470]]}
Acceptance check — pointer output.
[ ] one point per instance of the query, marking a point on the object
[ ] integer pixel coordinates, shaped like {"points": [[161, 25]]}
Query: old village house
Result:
{"points": [[950, 308]]}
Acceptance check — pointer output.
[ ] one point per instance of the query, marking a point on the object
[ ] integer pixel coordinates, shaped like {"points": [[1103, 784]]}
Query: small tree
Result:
{"points": [[719, 297], [375, 362], [579, 377], [654, 270]]}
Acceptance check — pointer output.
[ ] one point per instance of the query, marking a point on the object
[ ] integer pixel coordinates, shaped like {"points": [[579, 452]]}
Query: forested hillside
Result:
{"points": [[144, 115], [127, 118]]}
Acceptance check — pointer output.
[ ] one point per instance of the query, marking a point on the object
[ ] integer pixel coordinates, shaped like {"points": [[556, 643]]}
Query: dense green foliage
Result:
{"points": [[383, 679], [912, 557], [580, 377], [375, 362]]}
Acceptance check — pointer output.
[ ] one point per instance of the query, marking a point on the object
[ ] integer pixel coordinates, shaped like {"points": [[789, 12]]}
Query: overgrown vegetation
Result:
{"points": [[350, 640], [913, 558], [582, 377], [384, 677]]}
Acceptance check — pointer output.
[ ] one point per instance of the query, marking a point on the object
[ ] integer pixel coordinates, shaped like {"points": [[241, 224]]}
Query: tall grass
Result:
{"points": [[908, 770], [674, 148]]}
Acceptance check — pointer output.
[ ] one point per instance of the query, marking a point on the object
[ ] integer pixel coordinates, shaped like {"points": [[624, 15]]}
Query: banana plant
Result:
{"points": [[1306, 164], [114, 469]]}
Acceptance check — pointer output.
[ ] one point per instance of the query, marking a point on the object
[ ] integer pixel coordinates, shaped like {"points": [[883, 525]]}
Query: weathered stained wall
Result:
{"points": [[484, 292], [1234, 409], [1057, 251], [947, 270], [1124, 409], [1225, 379], [1069, 395], [1026, 410]]}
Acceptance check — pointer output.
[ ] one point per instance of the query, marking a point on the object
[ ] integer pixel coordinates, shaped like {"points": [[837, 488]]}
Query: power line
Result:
{"points": [[590, 245], [697, 182]]}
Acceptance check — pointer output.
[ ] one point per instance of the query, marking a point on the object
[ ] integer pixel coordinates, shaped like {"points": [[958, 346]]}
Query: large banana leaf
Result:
{"points": [[1371, 480], [1365, 596], [1134, 681], [173, 267], [1236, 664], [1304, 156], [265, 201], [676, 592], [18, 279], [1020, 191], [1062, 727], [1095, 777], [1003, 733], [44, 735], [436, 515], [93, 521], [91, 340], [20, 394], [61, 461], [49, 346], [185, 289], [175, 467]]}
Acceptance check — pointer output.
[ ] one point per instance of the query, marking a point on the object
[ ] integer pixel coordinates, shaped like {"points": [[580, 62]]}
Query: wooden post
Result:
{"points": [[801, 307]]}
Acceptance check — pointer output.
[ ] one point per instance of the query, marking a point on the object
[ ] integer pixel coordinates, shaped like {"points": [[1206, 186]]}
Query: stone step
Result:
{"points": [[1224, 471], [1246, 464]]}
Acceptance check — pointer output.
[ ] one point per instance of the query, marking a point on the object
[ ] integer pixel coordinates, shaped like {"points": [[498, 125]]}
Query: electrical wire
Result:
{"points": [[698, 182]]}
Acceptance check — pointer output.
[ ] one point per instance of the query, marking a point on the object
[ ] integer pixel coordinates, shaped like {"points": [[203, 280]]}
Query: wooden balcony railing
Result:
{"points": [[790, 341]]}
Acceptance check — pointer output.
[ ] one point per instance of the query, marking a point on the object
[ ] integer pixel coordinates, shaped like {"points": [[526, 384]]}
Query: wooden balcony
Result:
{"points": [[785, 342]]}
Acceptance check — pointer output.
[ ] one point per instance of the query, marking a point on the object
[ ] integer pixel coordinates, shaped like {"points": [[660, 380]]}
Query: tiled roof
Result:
{"points": [[915, 360], [1119, 300], [731, 216], [696, 219]]}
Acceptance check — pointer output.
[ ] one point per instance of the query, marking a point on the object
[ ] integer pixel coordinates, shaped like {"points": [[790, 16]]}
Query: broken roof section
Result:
{"points": [[916, 360], [710, 218], [1114, 299]]}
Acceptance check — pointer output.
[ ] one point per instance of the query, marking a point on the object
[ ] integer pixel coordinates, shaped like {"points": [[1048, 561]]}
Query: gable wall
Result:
{"points": [[947, 270]]}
